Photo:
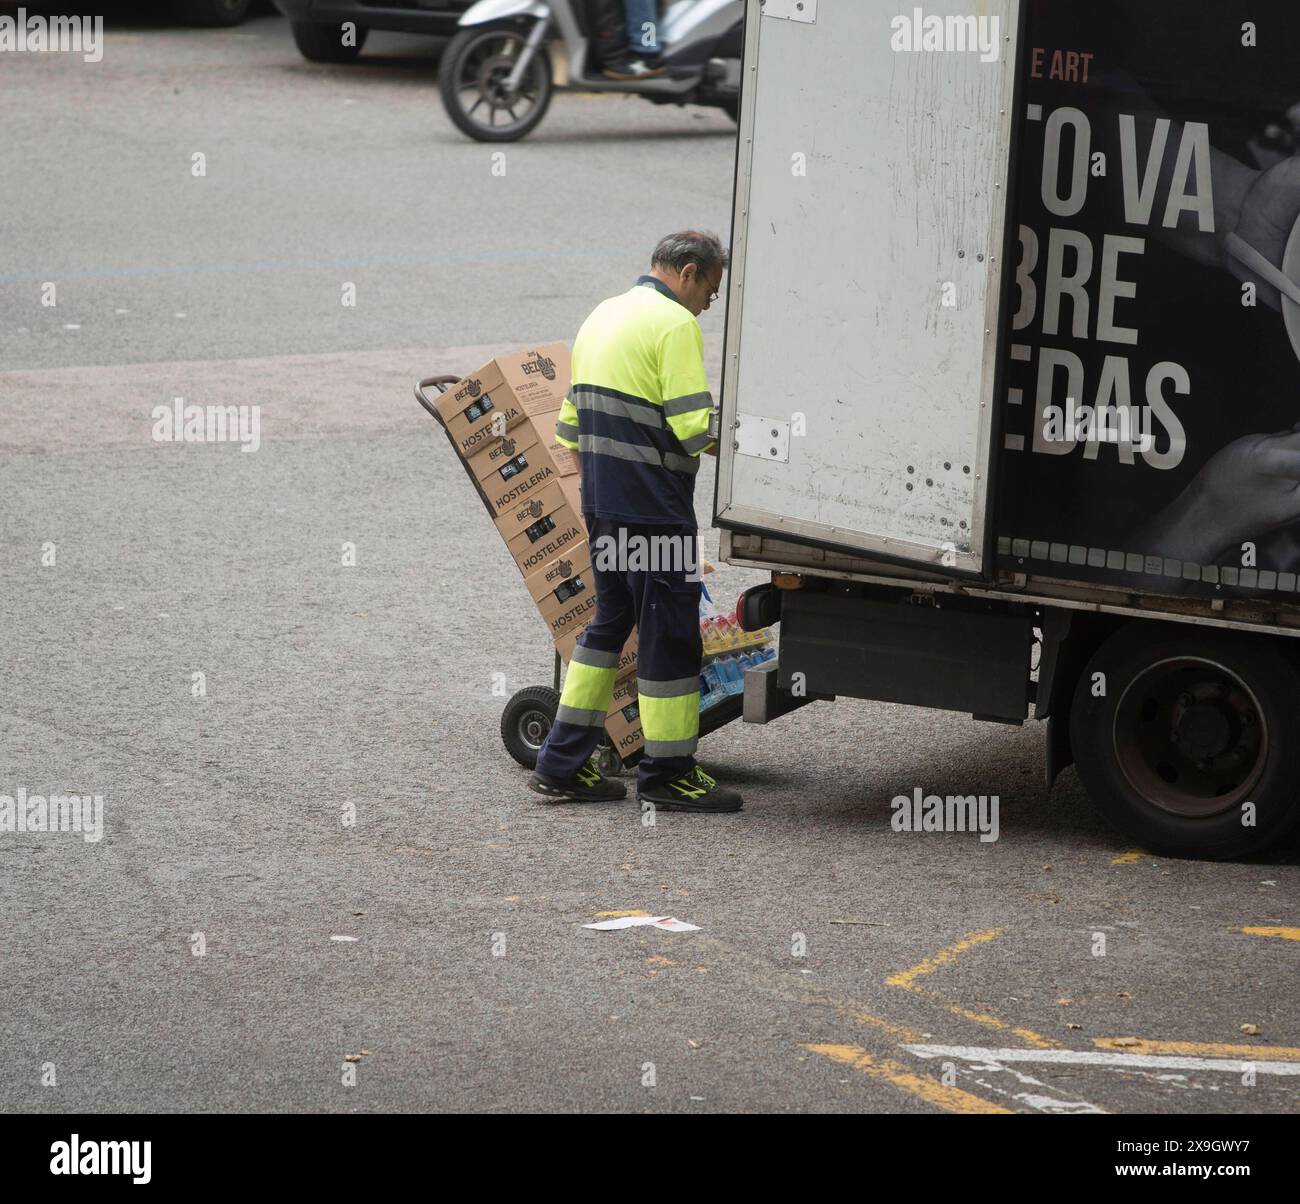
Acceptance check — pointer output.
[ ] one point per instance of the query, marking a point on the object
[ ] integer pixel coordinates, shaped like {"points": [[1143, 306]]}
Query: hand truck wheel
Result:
{"points": [[526, 720]]}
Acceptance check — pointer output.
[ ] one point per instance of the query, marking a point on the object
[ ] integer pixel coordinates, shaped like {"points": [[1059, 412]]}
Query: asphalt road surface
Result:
{"points": [[232, 939]]}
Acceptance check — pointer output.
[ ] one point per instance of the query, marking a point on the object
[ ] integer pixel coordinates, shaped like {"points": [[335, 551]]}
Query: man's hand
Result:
{"points": [[1269, 211], [1243, 492]]}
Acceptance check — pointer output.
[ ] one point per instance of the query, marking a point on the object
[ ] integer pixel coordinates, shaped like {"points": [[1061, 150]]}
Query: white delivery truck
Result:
{"points": [[1011, 379]]}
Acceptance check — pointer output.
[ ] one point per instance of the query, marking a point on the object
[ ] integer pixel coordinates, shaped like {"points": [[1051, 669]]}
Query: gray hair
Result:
{"points": [[699, 247]]}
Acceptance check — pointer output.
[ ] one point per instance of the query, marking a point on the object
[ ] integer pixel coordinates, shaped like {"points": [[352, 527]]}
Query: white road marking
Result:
{"points": [[995, 1058]]}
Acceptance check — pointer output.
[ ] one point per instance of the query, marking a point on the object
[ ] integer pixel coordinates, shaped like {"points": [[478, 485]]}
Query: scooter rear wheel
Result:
{"points": [[473, 82]]}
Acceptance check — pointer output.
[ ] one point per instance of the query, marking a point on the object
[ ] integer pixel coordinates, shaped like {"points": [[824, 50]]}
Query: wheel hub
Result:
{"points": [[1189, 737], [1203, 731], [493, 80]]}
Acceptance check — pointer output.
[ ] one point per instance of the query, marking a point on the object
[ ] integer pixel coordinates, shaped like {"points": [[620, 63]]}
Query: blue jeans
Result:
{"points": [[641, 13]]}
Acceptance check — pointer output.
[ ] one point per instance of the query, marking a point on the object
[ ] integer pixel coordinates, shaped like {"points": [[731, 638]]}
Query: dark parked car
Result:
{"points": [[317, 24]]}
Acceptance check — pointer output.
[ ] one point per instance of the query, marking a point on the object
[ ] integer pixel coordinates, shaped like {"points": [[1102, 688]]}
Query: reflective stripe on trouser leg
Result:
{"points": [[588, 688], [670, 715], [589, 684]]}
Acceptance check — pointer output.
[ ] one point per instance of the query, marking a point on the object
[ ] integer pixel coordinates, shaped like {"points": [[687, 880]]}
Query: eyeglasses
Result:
{"points": [[713, 296]]}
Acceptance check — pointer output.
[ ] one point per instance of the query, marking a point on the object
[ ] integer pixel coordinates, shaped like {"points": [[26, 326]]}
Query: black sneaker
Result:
{"points": [[693, 791], [588, 785]]}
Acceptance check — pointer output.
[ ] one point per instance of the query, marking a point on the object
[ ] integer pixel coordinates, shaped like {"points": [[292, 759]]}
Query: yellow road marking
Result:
{"points": [[1136, 1045], [1287, 934], [950, 1099], [618, 915], [907, 980], [1129, 858]]}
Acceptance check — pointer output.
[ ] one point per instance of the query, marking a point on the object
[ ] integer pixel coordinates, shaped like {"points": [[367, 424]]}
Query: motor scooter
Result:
{"points": [[496, 80]]}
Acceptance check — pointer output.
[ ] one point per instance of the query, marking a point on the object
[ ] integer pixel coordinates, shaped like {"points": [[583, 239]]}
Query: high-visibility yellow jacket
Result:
{"points": [[638, 408]]}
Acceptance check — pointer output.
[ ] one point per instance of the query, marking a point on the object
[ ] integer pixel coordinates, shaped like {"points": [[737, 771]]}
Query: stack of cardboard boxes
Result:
{"points": [[501, 420]]}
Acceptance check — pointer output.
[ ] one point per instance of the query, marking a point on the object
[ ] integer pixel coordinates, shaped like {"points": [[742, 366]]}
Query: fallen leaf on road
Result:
{"points": [[1074, 1026], [1251, 1030], [1065, 1002]]}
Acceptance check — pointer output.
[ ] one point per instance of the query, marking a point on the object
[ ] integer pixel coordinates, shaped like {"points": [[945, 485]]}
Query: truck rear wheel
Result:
{"points": [[1188, 742]]}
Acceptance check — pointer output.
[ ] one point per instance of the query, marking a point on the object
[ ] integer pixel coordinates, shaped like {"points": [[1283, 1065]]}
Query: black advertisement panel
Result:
{"points": [[1151, 421]]}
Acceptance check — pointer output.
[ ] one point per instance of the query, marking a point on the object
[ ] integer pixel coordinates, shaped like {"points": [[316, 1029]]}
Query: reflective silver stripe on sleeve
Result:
{"points": [[566, 430], [668, 689], [684, 405], [697, 443], [578, 717]]}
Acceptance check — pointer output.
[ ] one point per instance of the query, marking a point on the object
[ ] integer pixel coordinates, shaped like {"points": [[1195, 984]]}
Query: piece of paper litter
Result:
{"points": [[667, 923]]}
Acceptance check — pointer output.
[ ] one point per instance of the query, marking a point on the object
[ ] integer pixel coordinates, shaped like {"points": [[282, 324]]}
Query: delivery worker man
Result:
{"points": [[638, 415]]}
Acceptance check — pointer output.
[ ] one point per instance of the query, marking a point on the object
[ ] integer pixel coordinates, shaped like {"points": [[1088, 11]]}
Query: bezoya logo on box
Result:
{"points": [[561, 570], [524, 486], [472, 388], [505, 448], [539, 363]]}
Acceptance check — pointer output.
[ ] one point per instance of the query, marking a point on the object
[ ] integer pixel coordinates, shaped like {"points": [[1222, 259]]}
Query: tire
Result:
{"points": [[526, 720], [473, 65], [607, 760], [211, 12], [1191, 731], [323, 43]]}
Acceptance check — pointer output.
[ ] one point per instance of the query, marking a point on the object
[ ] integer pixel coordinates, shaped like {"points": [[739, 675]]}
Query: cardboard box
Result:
{"points": [[571, 485], [567, 603], [566, 461], [623, 723], [563, 578], [626, 658], [509, 388], [513, 469], [499, 459], [541, 528]]}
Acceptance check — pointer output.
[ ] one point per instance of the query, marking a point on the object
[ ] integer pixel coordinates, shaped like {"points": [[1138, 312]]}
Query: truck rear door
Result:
{"points": [[861, 362]]}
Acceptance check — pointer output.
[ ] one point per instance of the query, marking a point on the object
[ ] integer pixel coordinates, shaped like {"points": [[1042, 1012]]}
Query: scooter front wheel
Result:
{"points": [[474, 80]]}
